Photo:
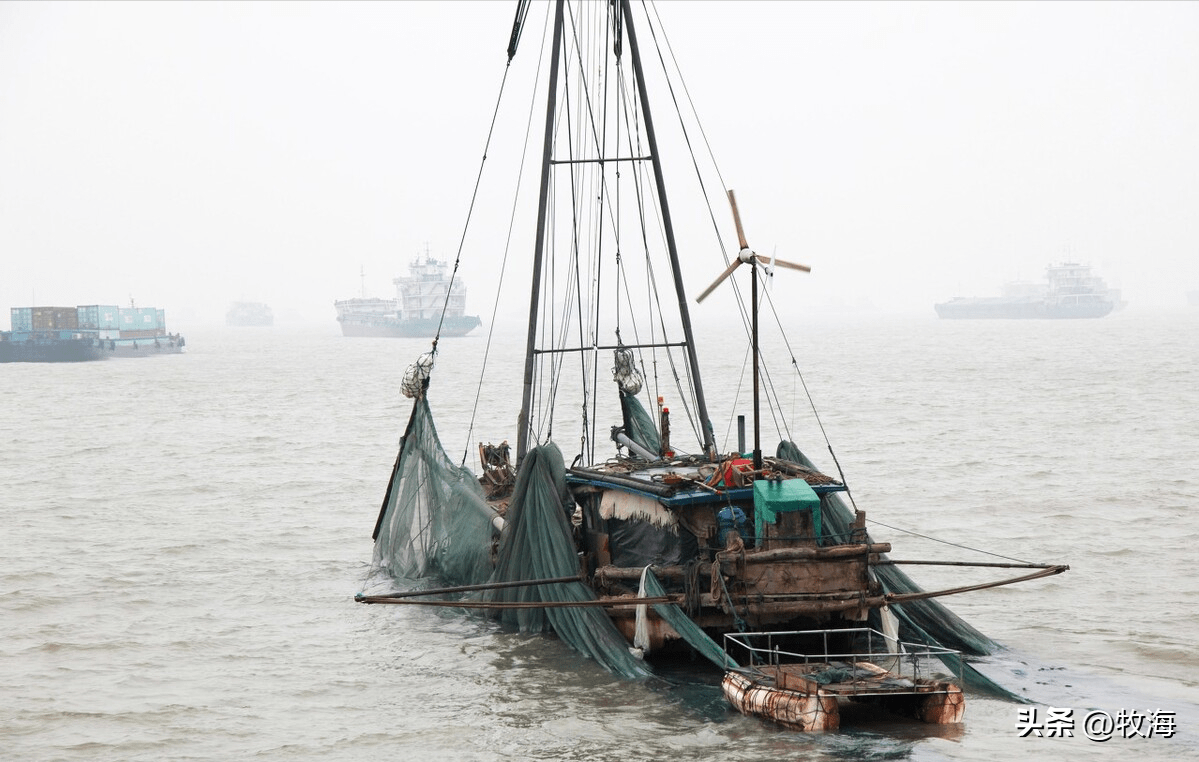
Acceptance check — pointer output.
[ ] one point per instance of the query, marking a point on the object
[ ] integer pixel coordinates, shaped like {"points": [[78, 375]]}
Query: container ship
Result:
{"points": [[1070, 290], [87, 332], [417, 309]]}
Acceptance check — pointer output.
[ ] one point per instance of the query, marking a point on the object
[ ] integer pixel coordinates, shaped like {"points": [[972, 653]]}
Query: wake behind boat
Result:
{"points": [[618, 521]]}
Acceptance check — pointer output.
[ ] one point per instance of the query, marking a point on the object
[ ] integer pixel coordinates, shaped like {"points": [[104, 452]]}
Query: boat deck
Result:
{"points": [[844, 678]]}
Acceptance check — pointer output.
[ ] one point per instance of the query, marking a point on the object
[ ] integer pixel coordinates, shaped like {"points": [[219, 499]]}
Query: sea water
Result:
{"points": [[183, 537]]}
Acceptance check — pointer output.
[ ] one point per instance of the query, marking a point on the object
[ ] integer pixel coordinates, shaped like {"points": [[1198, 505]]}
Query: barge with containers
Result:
{"points": [[87, 332]]}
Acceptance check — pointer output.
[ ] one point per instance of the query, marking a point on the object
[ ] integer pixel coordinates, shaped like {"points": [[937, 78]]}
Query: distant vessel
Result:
{"points": [[86, 332], [245, 314], [417, 309], [1070, 291]]}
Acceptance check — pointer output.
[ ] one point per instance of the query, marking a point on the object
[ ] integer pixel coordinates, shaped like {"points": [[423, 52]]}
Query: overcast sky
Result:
{"points": [[187, 155]]}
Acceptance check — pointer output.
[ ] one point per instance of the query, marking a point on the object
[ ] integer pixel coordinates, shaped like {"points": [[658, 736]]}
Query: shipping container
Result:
{"points": [[98, 316], [54, 318], [149, 333], [138, 318], [22, 318], [160, 317]]}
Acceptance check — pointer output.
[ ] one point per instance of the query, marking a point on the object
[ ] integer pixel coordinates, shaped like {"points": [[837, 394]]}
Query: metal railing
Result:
{"points": [[915, 663]]}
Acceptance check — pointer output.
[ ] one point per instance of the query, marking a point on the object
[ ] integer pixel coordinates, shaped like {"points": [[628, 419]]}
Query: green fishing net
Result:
{"points": [[435, 523], [538, 543]]}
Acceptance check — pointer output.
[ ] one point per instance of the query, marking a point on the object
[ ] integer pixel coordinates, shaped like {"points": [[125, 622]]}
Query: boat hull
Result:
{"points": [[64, 350], [143, 349], [1017, 309], [386, 327]]}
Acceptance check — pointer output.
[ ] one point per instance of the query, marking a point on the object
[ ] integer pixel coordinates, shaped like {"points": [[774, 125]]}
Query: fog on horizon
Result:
{"points": [[187, 155]]}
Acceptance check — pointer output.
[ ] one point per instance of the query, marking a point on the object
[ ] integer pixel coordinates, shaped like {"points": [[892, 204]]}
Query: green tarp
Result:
{"points": [[773, 498]]}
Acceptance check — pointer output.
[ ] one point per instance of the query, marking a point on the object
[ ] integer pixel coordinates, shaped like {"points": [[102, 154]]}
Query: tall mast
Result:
{"points": [[526, 405], [684, 315], [524, 423]]}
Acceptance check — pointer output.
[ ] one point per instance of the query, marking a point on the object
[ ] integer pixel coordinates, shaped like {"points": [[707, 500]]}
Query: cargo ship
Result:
{"points": [[417, 310], [87, 332], [1070, 290], [249, 314]]}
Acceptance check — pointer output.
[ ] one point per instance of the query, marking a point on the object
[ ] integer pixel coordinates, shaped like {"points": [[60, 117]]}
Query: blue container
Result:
{"points": [[138, 318], [98, 316], [22, 318]]}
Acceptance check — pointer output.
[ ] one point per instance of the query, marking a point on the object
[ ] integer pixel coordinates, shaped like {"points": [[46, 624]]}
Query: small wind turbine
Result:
{"points": [[747, 256]]}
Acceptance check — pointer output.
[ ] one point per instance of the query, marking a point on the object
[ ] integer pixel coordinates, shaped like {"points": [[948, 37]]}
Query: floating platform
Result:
{"points": [[805, 691]]}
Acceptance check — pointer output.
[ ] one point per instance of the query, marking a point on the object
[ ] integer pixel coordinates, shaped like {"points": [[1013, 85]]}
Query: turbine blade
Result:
{"points": [[718, 281], [737, 219], [784, 263]]}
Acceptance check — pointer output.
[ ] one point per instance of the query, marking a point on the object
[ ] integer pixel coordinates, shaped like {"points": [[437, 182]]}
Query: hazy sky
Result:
{"points": [[191, 154]]}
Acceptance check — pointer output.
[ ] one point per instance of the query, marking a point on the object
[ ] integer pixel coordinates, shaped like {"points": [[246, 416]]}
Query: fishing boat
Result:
{"points": [[617, 520]]}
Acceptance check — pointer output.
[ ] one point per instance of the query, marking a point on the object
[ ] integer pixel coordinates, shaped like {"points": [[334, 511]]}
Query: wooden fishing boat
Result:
{"points": [[650, 538]]}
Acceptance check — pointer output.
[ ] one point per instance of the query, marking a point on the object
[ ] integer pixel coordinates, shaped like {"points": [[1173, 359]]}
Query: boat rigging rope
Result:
{"points": [[772, 395], [947, 542], [511, 221], [474, 196], [808, 393]]}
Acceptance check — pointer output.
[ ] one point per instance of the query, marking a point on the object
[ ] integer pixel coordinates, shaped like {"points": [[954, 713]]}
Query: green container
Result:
{"points": [[772, 498]]}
